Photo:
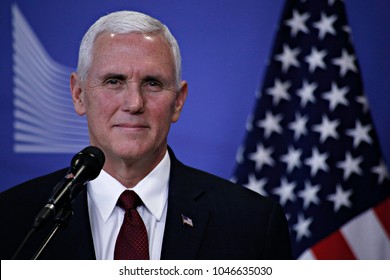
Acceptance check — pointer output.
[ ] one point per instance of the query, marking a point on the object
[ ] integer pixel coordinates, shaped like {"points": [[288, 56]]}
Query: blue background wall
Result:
{"points": [[225, 46]]}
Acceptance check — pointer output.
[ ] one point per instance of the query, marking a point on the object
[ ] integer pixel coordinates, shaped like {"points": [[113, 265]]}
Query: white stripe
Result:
{"points": [[366, 237], [307, 255]]}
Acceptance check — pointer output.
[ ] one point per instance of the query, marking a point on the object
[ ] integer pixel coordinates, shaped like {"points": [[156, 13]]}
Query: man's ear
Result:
{"points": [[180, 100], [77, 94]]}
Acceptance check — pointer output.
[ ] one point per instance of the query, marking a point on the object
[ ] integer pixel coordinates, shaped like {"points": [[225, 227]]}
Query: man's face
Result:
{"points": [[130, 96]]}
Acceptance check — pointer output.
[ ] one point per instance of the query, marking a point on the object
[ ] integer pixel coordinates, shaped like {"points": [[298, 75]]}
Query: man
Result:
{"points": [[128, 85]]}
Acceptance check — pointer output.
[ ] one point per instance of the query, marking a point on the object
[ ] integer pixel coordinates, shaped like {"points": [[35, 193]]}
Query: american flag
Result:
{"points": [[311, 143], [186, 221]]}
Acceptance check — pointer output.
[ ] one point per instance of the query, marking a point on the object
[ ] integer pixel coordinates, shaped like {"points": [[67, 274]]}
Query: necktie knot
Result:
{"points": [[129, 200]]}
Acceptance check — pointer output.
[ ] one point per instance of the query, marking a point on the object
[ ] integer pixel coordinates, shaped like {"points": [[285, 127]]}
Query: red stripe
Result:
{"points": [[383, 213], [333, 247]]}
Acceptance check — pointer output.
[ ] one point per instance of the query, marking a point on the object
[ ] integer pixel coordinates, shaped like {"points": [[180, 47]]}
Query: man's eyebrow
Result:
{"points": [[113, 76], [152, 78]]}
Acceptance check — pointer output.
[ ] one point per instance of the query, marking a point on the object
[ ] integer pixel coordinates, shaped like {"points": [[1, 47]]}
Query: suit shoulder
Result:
{"points": [[42, 184], [223, 188]]}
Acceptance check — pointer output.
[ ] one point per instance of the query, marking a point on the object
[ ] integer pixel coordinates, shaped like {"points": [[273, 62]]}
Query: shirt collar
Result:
{"points": [[105, 190]]}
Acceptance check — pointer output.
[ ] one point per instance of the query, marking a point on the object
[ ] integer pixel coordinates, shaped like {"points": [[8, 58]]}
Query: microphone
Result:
{"points": [[85, 166]]}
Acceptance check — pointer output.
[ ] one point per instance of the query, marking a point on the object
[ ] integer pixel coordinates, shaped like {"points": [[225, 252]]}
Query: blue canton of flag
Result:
{"points": [[311, 143]]}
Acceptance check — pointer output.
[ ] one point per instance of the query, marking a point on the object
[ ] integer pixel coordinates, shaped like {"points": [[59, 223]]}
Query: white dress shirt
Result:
{"points": [[106, 218]]}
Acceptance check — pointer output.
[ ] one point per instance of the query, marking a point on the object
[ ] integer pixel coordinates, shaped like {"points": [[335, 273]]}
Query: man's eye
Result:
{"points": [[112, 82], [153, 85]]}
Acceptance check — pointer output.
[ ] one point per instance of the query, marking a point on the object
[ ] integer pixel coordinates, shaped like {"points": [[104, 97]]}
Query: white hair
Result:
{"points": [[125, 22]]}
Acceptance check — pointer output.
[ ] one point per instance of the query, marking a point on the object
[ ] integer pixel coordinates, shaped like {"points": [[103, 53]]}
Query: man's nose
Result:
{"points": [[133, 99]]}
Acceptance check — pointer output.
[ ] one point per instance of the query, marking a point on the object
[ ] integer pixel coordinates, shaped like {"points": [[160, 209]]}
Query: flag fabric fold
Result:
{"points": [[311, 143]]}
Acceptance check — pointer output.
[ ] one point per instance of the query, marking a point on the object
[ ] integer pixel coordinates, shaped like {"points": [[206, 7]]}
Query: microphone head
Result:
{"points": [[91, 159]]}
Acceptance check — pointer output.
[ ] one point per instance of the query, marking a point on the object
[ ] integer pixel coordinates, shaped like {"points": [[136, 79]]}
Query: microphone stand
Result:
{"points": [[61, 221]]}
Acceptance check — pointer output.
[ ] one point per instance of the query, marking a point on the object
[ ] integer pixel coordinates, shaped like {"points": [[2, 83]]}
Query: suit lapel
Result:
{"points": [[187, 214]]}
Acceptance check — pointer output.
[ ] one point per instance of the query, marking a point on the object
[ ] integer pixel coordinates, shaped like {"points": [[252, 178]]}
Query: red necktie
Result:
{"points": [[132, 240]]}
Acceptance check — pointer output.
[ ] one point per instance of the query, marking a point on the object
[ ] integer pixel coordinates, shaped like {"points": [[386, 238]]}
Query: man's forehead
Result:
{"points": [[152, 37]]}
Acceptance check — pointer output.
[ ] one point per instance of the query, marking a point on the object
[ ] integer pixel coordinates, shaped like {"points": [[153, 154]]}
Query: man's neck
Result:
{"points": [[130, 172]]}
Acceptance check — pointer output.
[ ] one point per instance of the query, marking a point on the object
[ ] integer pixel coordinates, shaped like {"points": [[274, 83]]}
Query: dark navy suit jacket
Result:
{"points": [[228, 221]]}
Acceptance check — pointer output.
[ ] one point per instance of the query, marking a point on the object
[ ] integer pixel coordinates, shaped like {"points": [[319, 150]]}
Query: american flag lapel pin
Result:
{"points": [[186, 221]]}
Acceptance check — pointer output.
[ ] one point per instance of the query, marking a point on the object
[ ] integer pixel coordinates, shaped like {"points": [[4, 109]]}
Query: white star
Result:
{"points": [[270, 123], [350, 165], [327, 129], [316, 59], [262, 156], [340, 198], [285, 191], [298, 23], [249, 123], [306, 93], [325, 25], [288, 58], [317, 162], [292, 158], [382, 172], [256, 185], [279, 91], [302, 227], [360, 133], [240, 155], [309, 194], [336, 96], [363, 100], [345, 62], [347, 29], [299, 126]]}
